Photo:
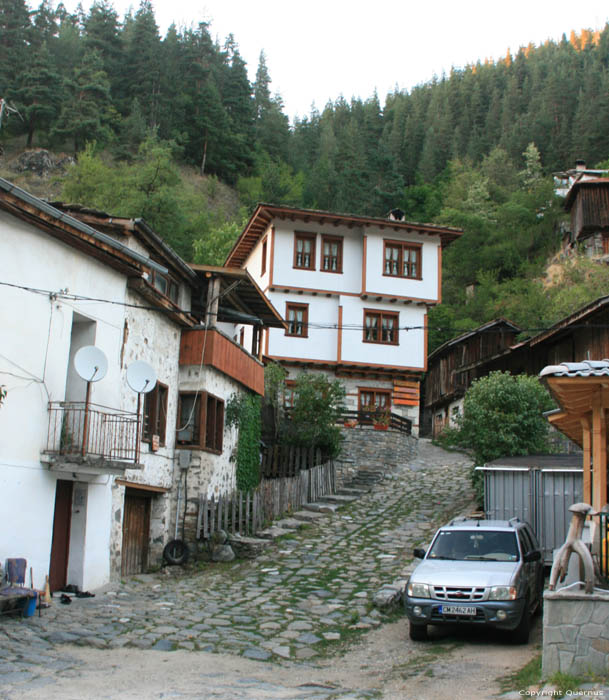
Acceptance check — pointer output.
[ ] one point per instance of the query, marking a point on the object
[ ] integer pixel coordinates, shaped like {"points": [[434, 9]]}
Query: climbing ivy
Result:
{"points": [[243, 412]]}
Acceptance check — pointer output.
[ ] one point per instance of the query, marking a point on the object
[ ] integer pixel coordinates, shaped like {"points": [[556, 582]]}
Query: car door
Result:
{"points": [[530, 568]]}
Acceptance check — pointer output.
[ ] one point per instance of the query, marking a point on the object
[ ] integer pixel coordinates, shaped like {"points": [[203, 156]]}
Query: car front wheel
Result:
{"points": [[418, 633], [521, 634]]}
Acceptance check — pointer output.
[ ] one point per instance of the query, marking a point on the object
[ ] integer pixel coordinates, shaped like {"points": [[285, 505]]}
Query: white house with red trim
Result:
{"points": [[354, 291]]}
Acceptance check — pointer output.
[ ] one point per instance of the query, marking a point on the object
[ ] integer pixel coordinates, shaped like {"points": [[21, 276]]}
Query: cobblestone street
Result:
{"points": [[309, 593]]}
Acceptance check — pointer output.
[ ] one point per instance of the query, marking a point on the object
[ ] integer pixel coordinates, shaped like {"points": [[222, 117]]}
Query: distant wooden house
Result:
{"points": [[588, 204], [492, 347], [454, 365]]}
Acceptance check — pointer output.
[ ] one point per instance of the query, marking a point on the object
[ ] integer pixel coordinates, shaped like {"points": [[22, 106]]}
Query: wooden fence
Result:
{"points": [[288, 460], [246, 513]]}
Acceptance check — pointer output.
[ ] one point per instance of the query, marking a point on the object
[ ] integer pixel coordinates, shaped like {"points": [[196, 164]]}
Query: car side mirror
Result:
{"points": [[534, 555], [419, 553]]}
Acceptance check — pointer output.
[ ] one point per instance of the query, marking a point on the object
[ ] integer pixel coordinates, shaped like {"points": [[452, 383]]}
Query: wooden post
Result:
{"points": [[587, 460], [599, 454]]}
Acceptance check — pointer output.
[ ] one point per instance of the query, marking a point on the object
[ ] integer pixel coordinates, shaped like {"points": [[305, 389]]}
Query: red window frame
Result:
{"points": [[205, 429], [294, 323], [155, 413], [263, 261], [402, 260], [381, 327], [304, 260], [380, 399], [331, 261]]}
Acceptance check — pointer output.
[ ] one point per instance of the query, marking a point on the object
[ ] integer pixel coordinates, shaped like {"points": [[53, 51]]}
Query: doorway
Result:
{"points": [[136, 533], [60, 546]]}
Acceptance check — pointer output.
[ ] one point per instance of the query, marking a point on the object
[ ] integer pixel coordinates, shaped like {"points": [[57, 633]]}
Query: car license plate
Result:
{"points": [[457, 610]]}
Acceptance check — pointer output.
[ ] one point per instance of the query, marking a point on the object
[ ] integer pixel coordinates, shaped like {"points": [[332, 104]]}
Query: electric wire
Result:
{"points": [[315, 325]]}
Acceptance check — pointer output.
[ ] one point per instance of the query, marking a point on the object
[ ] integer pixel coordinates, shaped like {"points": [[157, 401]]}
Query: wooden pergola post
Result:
{"points": [[599, 454], [587, 459]]}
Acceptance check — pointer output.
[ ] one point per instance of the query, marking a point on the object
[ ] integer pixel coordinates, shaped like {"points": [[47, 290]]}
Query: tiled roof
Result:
{"points": [[588, 368]]}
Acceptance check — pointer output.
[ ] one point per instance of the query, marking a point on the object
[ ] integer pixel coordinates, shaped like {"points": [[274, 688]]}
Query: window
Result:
{"points": [[242, 337], [381, 327], [402, 260], [263, 262], [297, 316], [155, 414], [332, 254], [304, 251], [374, 400], [166, 285], [200, 421]]}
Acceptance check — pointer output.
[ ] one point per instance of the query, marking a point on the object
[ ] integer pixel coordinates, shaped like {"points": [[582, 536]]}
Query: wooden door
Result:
{"points": [[136, 533], [60, 547]]}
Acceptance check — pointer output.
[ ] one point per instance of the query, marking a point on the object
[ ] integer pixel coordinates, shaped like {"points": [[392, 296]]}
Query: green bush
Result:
{"points": [[502, 417], [243, 412]]}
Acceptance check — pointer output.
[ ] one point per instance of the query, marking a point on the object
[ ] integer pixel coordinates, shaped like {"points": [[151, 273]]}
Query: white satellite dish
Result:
{"points": [[141, 377], [91, 363]]}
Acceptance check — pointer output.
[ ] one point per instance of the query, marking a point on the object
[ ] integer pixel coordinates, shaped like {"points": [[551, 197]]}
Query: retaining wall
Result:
{"points": [[366, 448], [575, 633]]}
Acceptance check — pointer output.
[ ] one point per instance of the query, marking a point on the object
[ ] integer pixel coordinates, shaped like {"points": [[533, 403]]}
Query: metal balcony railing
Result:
{"points": [[86, 431]]}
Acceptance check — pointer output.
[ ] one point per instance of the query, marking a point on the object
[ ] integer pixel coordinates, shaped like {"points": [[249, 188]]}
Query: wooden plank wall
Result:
{"points": [[247, 512]]}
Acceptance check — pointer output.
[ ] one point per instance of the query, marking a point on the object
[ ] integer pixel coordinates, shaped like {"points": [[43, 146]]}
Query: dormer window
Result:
{"points": [[304, 251]]}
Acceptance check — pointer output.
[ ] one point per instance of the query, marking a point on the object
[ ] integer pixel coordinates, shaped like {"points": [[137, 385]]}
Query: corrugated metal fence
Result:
{"points": [[540, 496], [246, 513]]}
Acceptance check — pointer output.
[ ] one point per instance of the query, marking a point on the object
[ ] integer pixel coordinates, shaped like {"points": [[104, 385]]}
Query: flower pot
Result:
{"points": [[378, 426]]}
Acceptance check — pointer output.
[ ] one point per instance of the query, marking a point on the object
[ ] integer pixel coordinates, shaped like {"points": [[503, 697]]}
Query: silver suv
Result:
{"points": [[480, 572]]}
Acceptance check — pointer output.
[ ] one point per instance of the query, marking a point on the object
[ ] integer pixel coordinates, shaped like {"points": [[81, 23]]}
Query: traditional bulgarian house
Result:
{"points": [[90, 471], [354, 291]]}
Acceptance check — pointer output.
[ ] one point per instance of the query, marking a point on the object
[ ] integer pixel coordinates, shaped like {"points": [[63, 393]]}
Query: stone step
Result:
{"points": [[338, 498], [320, 507], [352, 490], [307, 516], [290, 523], [271, 533]]}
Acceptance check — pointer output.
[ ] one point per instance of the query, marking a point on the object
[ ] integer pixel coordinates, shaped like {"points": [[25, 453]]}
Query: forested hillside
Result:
{"points": [[150, 118]]}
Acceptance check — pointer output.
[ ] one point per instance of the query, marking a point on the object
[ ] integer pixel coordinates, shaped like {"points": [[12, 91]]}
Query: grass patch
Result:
{"points": [[522, 679], [420, 663]]}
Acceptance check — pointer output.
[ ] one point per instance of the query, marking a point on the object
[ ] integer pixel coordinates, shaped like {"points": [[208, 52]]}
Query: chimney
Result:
{"points": [[580, 164], [396, 215]]}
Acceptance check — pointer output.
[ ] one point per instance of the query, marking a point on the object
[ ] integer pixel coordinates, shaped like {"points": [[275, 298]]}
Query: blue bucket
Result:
{"points": [[29, 607]]}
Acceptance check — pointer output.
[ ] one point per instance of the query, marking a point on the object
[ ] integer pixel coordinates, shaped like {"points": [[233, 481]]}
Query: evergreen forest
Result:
{"points": [[149, 118]]}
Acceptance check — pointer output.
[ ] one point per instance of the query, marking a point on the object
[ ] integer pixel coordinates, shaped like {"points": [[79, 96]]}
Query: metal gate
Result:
{"points": [[536, 489]]}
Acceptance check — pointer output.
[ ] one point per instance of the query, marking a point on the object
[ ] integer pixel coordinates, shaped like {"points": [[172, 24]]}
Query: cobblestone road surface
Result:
{"points": [[306, 595]]}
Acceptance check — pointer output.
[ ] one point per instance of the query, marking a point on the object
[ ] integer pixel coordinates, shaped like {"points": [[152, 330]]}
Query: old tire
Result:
{"points": [[176, 552], [418, 633], [521, 634]]}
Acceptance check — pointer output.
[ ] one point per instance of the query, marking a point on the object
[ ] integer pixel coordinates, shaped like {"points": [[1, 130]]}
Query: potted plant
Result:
{"points": [[381, 419]]}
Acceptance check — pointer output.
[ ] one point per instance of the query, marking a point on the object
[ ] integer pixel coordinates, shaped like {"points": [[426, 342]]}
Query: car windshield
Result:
{"points": [[460, 545]]}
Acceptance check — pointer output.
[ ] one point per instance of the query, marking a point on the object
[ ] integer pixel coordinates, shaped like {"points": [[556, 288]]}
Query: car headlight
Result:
{"points": [[418, 590], [502, 593]]}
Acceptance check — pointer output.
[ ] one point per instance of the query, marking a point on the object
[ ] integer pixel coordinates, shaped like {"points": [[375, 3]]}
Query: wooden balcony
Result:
{"points": [[91, 438], [220, 352]]}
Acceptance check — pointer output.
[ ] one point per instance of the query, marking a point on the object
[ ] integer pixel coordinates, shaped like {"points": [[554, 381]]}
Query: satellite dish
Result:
{"points": [[141, 377], [91, 363]]}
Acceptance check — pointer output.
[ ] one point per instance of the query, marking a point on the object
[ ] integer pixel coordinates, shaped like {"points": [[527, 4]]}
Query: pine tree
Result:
{"points": [[37, 98], [83, 113], [15, 38]]}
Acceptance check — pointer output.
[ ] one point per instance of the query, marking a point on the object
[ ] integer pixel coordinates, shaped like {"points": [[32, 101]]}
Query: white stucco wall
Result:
{"points": [[321, 343], [376, 282], [34, 360], [350, 280]]}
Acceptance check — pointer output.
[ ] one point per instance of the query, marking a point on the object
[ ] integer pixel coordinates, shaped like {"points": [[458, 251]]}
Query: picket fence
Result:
{"points": [[247, 512]]}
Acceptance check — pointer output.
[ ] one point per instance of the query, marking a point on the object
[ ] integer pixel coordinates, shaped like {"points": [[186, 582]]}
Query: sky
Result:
{"points": [[318, 50]]}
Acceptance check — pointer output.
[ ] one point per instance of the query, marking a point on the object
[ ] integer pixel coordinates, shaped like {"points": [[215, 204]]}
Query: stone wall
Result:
{"points": [[366, 448], [575, 633]]}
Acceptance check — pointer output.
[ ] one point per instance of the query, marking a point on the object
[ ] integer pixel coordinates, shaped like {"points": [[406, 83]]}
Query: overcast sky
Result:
{"points": [[317, 50]]}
